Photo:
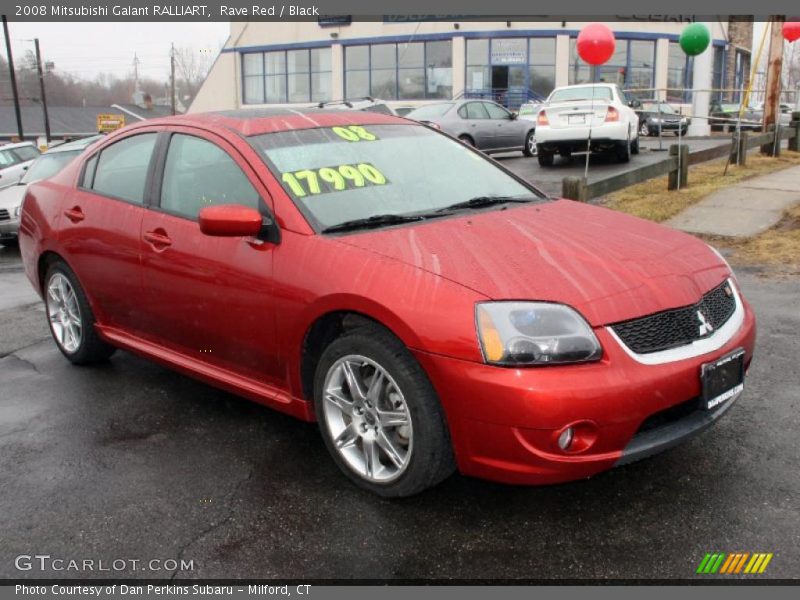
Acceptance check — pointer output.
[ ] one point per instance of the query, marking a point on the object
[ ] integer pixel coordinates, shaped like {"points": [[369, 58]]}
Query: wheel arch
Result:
{"points": [[329, 324]]}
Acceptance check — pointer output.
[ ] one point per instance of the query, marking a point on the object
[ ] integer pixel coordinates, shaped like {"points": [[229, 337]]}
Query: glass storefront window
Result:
{"points": [[632, 66], [286, 76], [679, 75], [477, 53], [408, 71]]}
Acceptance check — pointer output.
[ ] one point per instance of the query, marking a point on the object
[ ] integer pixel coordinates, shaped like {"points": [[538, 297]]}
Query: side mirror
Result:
{"points": [[230, 220], [635, 103], [512, 116]]}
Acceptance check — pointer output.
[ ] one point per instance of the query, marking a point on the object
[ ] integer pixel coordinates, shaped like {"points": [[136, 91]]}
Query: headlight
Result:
{"points": [[655, 120], [534, 333], [18, 210]]}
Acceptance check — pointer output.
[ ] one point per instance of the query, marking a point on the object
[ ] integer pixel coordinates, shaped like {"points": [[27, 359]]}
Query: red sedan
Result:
{"points": [[427, 307]]}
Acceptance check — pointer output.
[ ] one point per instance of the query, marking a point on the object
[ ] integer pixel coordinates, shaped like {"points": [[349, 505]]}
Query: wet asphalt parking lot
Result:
{"points": [[130, 461]]}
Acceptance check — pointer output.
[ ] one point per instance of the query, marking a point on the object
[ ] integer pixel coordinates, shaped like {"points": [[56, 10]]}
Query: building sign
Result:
{"points": [[509, 52], [109, 123]]}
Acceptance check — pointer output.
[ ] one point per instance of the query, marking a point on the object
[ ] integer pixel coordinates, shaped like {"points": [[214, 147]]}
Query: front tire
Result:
{"points": [[379, 415], [644, 130], [71, 319]]}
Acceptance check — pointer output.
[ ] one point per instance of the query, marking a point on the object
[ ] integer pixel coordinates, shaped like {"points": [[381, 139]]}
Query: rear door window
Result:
{"points": [[476, 110], [121, 170]]}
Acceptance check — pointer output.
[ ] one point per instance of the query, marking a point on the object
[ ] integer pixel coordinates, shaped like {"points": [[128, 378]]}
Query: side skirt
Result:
{"points": [[224, 379]]}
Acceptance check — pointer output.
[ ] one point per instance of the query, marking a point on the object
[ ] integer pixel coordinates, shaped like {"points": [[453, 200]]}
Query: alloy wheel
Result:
{"points": [[368, 419], [64, 313]]}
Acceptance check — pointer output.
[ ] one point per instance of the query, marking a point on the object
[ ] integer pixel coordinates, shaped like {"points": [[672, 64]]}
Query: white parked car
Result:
{"points": [[14, 161], [572, 112], [44, 166]]}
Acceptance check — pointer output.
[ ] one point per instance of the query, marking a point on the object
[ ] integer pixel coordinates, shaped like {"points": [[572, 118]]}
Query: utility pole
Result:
{"points": [[13, 76], [135, 72], [44, 97], [774, 66], [172, 78]]}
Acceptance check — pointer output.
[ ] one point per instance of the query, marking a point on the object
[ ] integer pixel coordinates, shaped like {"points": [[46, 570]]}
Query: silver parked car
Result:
{"points": [[46, 165], [480, 123], [14, 161]]}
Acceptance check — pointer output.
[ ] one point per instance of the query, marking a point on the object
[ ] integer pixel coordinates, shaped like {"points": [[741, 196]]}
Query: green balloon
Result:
{"points": [[695, 39]]}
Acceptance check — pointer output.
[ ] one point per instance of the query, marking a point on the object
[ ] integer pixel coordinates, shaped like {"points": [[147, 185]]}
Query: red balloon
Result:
{"points": [[791, 31], [596, 43]]}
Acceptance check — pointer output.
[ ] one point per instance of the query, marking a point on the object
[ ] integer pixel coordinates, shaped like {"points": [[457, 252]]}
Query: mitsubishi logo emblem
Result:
{"points": [[705, 326]]}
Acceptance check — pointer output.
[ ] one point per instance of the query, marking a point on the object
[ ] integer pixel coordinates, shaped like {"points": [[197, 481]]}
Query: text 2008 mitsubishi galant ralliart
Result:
{"points": [[428, 308]]}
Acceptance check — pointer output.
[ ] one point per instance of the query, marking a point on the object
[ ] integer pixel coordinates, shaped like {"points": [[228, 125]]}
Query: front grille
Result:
{"points": [[4, 216], [679, 326]]}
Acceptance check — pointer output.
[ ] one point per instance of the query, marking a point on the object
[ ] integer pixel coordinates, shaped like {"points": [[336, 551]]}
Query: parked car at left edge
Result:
{"points": [[14, 161], [46, 165]]}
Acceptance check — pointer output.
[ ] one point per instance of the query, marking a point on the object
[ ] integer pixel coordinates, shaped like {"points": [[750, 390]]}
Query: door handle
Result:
{"points": [[157, 238], [75, 214]]}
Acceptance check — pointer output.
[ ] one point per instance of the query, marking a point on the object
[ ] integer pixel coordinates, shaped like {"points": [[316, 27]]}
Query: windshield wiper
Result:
{"points": [[482, 201], [373, 221]]}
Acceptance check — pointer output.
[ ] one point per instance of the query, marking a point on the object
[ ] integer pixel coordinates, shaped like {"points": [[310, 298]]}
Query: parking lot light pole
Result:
{"points": [[41, 86], [13, 76]]}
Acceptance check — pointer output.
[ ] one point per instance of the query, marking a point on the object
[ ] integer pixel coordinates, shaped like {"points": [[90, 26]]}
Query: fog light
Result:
{"points": [[565, 439]]}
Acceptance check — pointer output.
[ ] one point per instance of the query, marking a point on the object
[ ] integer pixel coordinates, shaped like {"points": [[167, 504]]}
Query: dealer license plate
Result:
{"points": [[722, 379]]}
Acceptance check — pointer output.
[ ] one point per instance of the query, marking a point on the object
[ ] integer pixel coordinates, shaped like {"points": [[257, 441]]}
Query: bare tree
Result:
{"points": [[191, 68]]}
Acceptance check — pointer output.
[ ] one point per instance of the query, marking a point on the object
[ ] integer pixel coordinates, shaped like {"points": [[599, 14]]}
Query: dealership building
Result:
{"points": [[406, 61]]}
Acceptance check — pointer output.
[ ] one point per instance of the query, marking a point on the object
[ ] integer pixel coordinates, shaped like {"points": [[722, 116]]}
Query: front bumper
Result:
{"points": [[505, 423], [667, 126]]}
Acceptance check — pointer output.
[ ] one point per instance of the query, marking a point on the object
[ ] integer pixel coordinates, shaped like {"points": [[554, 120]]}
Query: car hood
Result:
{"points": [[12, 196], [609, 266]]}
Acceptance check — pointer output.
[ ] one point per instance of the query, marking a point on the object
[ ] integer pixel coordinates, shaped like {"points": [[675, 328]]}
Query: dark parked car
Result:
{"points": [[728, 114], [659, 116]]}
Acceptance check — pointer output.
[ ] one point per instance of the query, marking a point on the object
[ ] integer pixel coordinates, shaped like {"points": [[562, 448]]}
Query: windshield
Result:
{"points": [[654, 107], [586, 92], [48, 165], [529, 109], [431, 111], [340, 174]]}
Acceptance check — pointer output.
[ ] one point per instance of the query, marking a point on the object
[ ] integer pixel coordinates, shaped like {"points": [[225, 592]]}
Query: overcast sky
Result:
{"points": [[86, 49]]}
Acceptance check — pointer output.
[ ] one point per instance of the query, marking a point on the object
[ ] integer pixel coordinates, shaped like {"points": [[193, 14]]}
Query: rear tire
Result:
{"points": [[71, 319], [530, 144], [635, 146], [388, 437]]}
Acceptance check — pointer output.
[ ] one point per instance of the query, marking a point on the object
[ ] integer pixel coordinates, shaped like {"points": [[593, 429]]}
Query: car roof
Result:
{"points": [[258, 121], [12, 145]]}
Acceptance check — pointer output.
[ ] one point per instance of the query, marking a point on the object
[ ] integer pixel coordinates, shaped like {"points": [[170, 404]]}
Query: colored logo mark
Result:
{"points": [[734, 563]]}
